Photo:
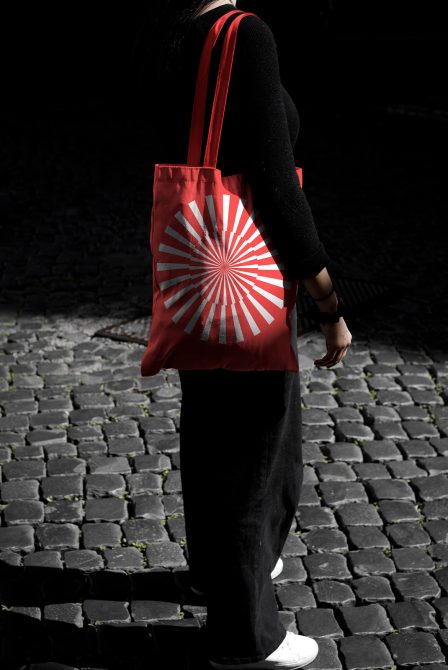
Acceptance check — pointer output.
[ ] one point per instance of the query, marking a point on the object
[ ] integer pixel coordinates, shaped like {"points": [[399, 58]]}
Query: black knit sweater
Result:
{"points": [[260, 128]]}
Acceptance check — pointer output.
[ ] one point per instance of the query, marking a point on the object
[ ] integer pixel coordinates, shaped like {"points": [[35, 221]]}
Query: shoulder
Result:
{"points": [[254, 34]]}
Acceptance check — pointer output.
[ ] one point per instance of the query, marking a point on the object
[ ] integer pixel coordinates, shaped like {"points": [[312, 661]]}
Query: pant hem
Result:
{"points": [[227, 660]]}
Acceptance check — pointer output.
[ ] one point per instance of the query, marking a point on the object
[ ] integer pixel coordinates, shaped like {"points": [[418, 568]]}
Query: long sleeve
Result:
{"points": [[271, 171]]}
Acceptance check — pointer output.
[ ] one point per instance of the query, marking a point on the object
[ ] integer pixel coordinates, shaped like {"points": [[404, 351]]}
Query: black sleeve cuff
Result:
{"points": [[309, 267]]}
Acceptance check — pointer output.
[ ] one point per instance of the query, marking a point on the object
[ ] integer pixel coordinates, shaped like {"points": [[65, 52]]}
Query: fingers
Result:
{"points": [[332, 357], [328, 360]]}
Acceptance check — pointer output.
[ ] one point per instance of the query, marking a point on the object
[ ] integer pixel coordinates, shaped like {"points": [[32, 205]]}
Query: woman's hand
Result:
{"points": [[338, 339], [337, 335]]}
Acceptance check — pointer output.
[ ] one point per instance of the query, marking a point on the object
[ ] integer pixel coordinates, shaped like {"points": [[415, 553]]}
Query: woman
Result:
{"points": [[240, 431]]}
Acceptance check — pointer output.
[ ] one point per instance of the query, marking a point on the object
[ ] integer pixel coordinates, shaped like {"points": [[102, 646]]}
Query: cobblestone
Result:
{"points": [[58, 487], [326, 565], [395, 511], [414, 647], [17, 538], [325, 539], [102, 485], [106, 611], [407, 534], [432, 487], [415, 585], [58, 536], [165, 554], [358, 514], [293, 597], [367, 537], [106, 509], [24, 511], [96, 535], [315, 517], [344, 451], [412, 614], [124, 558], [409, 558], [293, 571], [144, 530], [366, 620], [381, 450], [372, 589], [26, 489], [152, 611], [319, 622]]}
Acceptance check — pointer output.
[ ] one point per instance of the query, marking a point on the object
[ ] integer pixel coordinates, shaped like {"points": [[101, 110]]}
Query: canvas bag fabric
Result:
{"points": [[221, 295]]}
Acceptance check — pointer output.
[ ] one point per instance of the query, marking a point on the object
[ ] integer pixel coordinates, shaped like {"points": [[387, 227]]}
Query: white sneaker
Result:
{"points": [[278, 569], [294, 652], [275, 573]]}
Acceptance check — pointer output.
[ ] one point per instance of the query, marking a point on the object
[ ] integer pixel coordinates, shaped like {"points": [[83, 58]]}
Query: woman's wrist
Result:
{"points": [[330, 304], [321, 289]]}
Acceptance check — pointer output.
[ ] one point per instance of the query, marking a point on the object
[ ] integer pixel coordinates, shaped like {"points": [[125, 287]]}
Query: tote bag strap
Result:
{"points": [[220, 96], [222, 87], [200, 95]]}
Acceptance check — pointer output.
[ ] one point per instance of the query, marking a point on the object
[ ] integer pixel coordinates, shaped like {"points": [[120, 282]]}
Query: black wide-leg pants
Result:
{"points": [[241, 473]]}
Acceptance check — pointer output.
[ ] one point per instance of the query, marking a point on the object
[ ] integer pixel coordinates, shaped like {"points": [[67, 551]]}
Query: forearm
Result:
{"points": [[320, 286]]}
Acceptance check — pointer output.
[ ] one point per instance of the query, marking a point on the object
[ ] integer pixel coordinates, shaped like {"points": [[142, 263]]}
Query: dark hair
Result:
{"points": [[160, 39]]}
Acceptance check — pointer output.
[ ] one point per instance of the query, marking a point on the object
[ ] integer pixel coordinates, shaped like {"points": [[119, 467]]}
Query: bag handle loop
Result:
{"points": [[221, 90]]}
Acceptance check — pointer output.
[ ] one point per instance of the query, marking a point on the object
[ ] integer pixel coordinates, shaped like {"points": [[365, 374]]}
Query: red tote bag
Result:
{"points": [[221, 294]]}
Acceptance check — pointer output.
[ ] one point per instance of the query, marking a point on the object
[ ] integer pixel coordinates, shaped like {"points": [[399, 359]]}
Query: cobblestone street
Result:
{"points": [[93, 561]]}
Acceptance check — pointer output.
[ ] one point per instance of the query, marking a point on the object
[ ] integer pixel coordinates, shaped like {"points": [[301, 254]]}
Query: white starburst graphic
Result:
{"points": [[217, 272]]}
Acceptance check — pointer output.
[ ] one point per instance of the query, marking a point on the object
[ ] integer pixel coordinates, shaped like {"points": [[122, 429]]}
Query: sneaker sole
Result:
{"points": [[266, 664], [259, 665]]}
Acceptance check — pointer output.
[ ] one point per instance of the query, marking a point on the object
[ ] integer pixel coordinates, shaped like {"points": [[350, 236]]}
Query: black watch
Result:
{"points": [[331, 317]]}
